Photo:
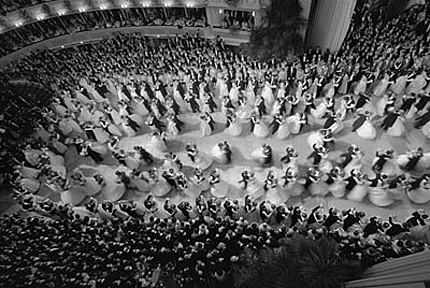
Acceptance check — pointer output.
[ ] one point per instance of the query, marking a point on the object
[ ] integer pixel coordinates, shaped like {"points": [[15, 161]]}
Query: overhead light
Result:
{"points": [[220, 11], [61, 13], [62, 46], [125, 5], [253, 13], [83, 9], [82, 42], [158, 36], [103, 7], [18, 24], [39, 18], [145, 4], [190, 5]]}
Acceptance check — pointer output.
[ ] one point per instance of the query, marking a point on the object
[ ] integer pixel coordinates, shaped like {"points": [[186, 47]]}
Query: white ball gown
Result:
{"points": [[218, 187], [92, 186], [380, 105], [319, 112], [366, 130], [318, 187], [361, 86], [380, 196], [141, 182], [235, 128], [254, 189], [276, 195], [73, 196], [202, 161], [261, 130], [267, 95], [245, 109], [157, 143], [354, 164], [417, 85], [205, 128], [381, 87], [190, 189], [31, 185], [220, 155], [421, 194], [399, 86], [201, 182], [337, 187], [294, 123], [262, 156], [283, 130], [160, 186], [358, 192], [397, 129]]}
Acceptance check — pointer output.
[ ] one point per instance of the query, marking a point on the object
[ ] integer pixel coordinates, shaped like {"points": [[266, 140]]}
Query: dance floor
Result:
{"points": [[242, 148]]}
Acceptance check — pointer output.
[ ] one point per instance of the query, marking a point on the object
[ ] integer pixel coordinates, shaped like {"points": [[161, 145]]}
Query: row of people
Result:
{"points": [[195, 241]]}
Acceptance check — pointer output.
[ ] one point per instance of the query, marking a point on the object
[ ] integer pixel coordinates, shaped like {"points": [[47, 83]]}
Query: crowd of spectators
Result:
{"points": [[12, 5], [238, 20], [69, 24], [130, 247]]}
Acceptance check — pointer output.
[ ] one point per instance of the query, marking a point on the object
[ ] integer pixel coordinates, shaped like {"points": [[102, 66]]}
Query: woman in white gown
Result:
{"points": [[399, 86], [141, 181], [363, 127], [267, 95], [418, 83], [382, 86], [221, 153], [335, 182], [207, 124], [199, 179], [296, 122], [254, 188], [260, 129], [157, 142], [292, 185], [160, 186], [245, 108], [378, 192], [94, 184], [419, 192], [321, 109], [235, 128], [361, 85], [317, 185], [218, 187], [138, 106], [283, 130], [356, 186], [274, 193], [113, 114], [398, 128]]}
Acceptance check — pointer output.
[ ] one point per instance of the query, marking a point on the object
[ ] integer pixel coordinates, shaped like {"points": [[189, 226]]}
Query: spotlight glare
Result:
{"points": [[220, 11]]}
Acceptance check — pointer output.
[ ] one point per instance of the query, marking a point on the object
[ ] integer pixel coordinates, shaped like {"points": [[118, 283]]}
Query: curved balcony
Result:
{"points": [[79, 38]]}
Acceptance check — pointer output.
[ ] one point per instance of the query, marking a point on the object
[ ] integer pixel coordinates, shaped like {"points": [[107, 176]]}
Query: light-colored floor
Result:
{"points": [[243, 146]]}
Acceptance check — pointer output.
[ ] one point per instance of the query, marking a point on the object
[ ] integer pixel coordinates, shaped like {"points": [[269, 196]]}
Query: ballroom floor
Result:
{"points": [[242, 148]]}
